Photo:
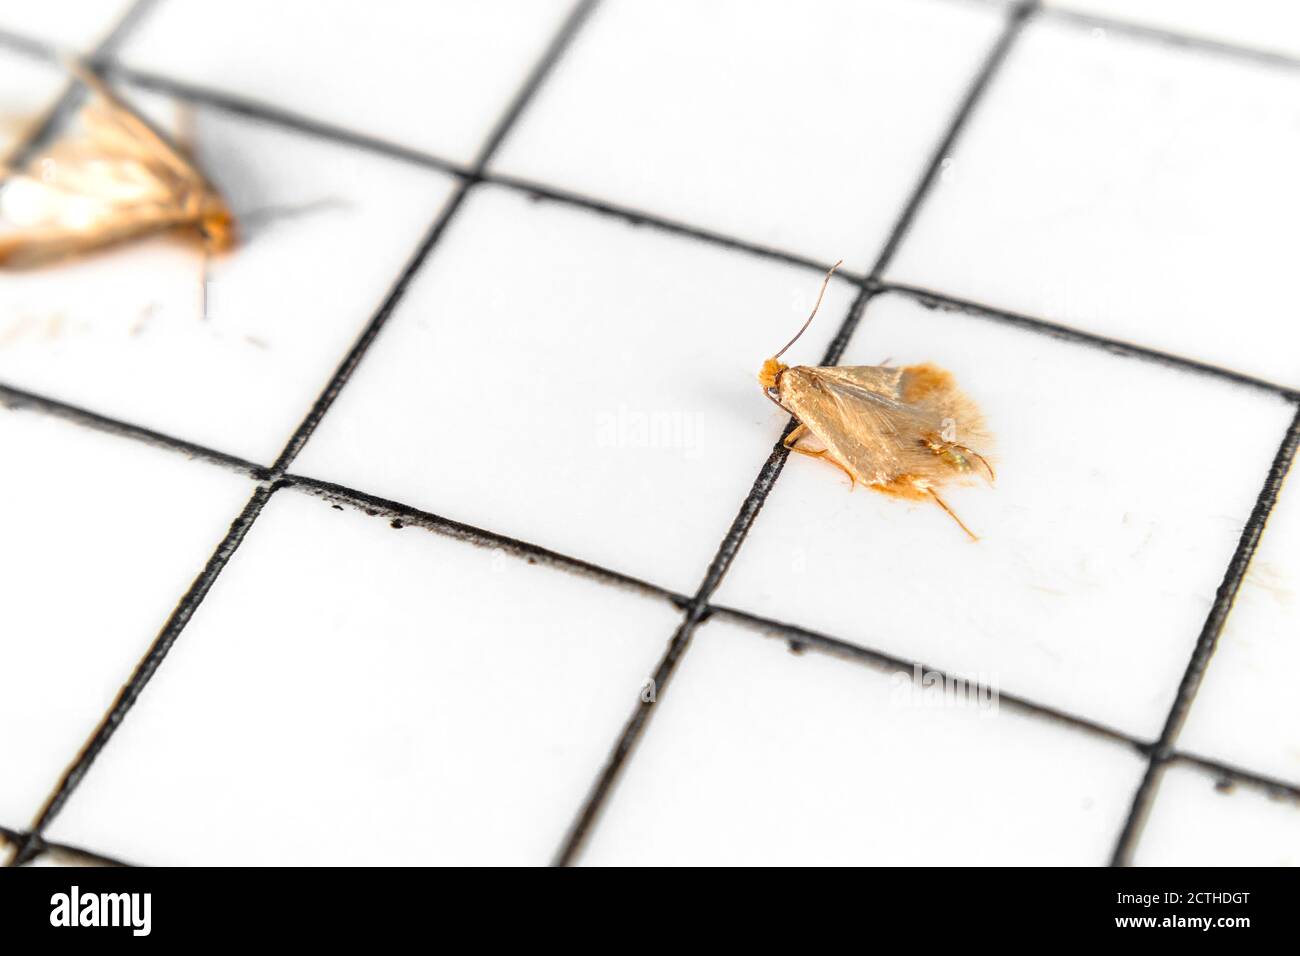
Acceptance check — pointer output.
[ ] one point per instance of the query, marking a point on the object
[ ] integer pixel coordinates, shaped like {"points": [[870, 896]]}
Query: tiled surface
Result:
{"points": [[1247, 713], [75, 26], [1141, 191], [1098, 560], [592, 383], [1269, 25], [699, 111], [100, 538], [759, 756], [352, 693], [327, 230], [1196, 823], [433, 76]]}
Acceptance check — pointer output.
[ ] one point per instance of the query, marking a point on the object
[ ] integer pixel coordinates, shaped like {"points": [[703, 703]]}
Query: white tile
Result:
{"points": [[73, 25], [800, 126], [757, 756], [1269, 25], [575, 382], [1100, 554], [101, 537], [328, 228], [28, 88], [1246, 712], [429, 76], [354, 694], [1129, 188], [1194, 823]]}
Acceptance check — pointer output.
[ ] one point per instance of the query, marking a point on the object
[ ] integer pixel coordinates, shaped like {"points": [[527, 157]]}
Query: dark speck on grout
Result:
{"points": [[1225, 785], [337, 507], [797, 647], [372, 512], [397, 523]]}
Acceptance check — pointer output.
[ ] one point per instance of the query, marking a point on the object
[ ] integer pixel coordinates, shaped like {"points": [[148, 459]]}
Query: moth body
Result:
{"points": [[903, 431]]}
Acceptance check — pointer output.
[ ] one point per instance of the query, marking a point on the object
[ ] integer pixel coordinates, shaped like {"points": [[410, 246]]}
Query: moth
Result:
{"points": [[114, 178], [900, 431]]}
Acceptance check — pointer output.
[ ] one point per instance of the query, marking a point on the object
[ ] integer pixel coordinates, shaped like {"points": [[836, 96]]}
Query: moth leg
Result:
{"points": [[802, 431], [950, 450], [974, 454], [952, 514]]}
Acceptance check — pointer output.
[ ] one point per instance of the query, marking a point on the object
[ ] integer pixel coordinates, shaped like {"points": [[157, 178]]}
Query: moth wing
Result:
{"points": [[118, 128], [111, 179], [881, 380], [875, 436]]}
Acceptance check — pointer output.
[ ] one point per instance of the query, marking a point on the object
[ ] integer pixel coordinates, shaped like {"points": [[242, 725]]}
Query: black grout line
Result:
{"points": [[639, 217], [17, 399], [278, 116], [190, 601], [401, 515], [536, 77], [948, 303], [1270, 785], [1174, 38], [145, 669], [1205, 645], [802, 637], [275, 115], [992, 63], [75, 855]]}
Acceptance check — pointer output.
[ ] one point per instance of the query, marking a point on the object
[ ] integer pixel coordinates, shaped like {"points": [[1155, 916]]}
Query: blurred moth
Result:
{"points": [[113, 178], [900, 431]]}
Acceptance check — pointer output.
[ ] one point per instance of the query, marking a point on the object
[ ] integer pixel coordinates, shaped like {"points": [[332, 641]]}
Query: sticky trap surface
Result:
{"points": [[443, 520]]}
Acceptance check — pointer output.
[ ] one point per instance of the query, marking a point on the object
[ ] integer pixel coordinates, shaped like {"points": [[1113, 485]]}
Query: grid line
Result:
{"points": [[698, 609], [1205, 645], [144, 671]]}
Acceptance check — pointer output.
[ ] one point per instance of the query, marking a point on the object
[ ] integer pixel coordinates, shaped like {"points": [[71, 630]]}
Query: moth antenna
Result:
{"points": [[816, 305]]}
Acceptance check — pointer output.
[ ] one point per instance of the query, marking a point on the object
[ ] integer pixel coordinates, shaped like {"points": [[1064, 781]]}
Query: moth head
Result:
{"points": [[770, 373], [218, 226]]}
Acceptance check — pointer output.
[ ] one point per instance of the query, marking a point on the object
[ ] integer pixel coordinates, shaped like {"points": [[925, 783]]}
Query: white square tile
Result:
{"points": [[101, 537], [327, 230], [1100, 556], [575, 382], [1269, 25], [354, 694], [757, 756], [1136, 190], [1246, 712], [75, 26], [1195, 823], [433, 76], [804, 127]]}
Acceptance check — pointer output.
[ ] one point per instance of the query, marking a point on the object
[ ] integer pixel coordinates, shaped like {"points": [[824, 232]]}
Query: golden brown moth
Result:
{"points": [[900, 431], [113, 178]]}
